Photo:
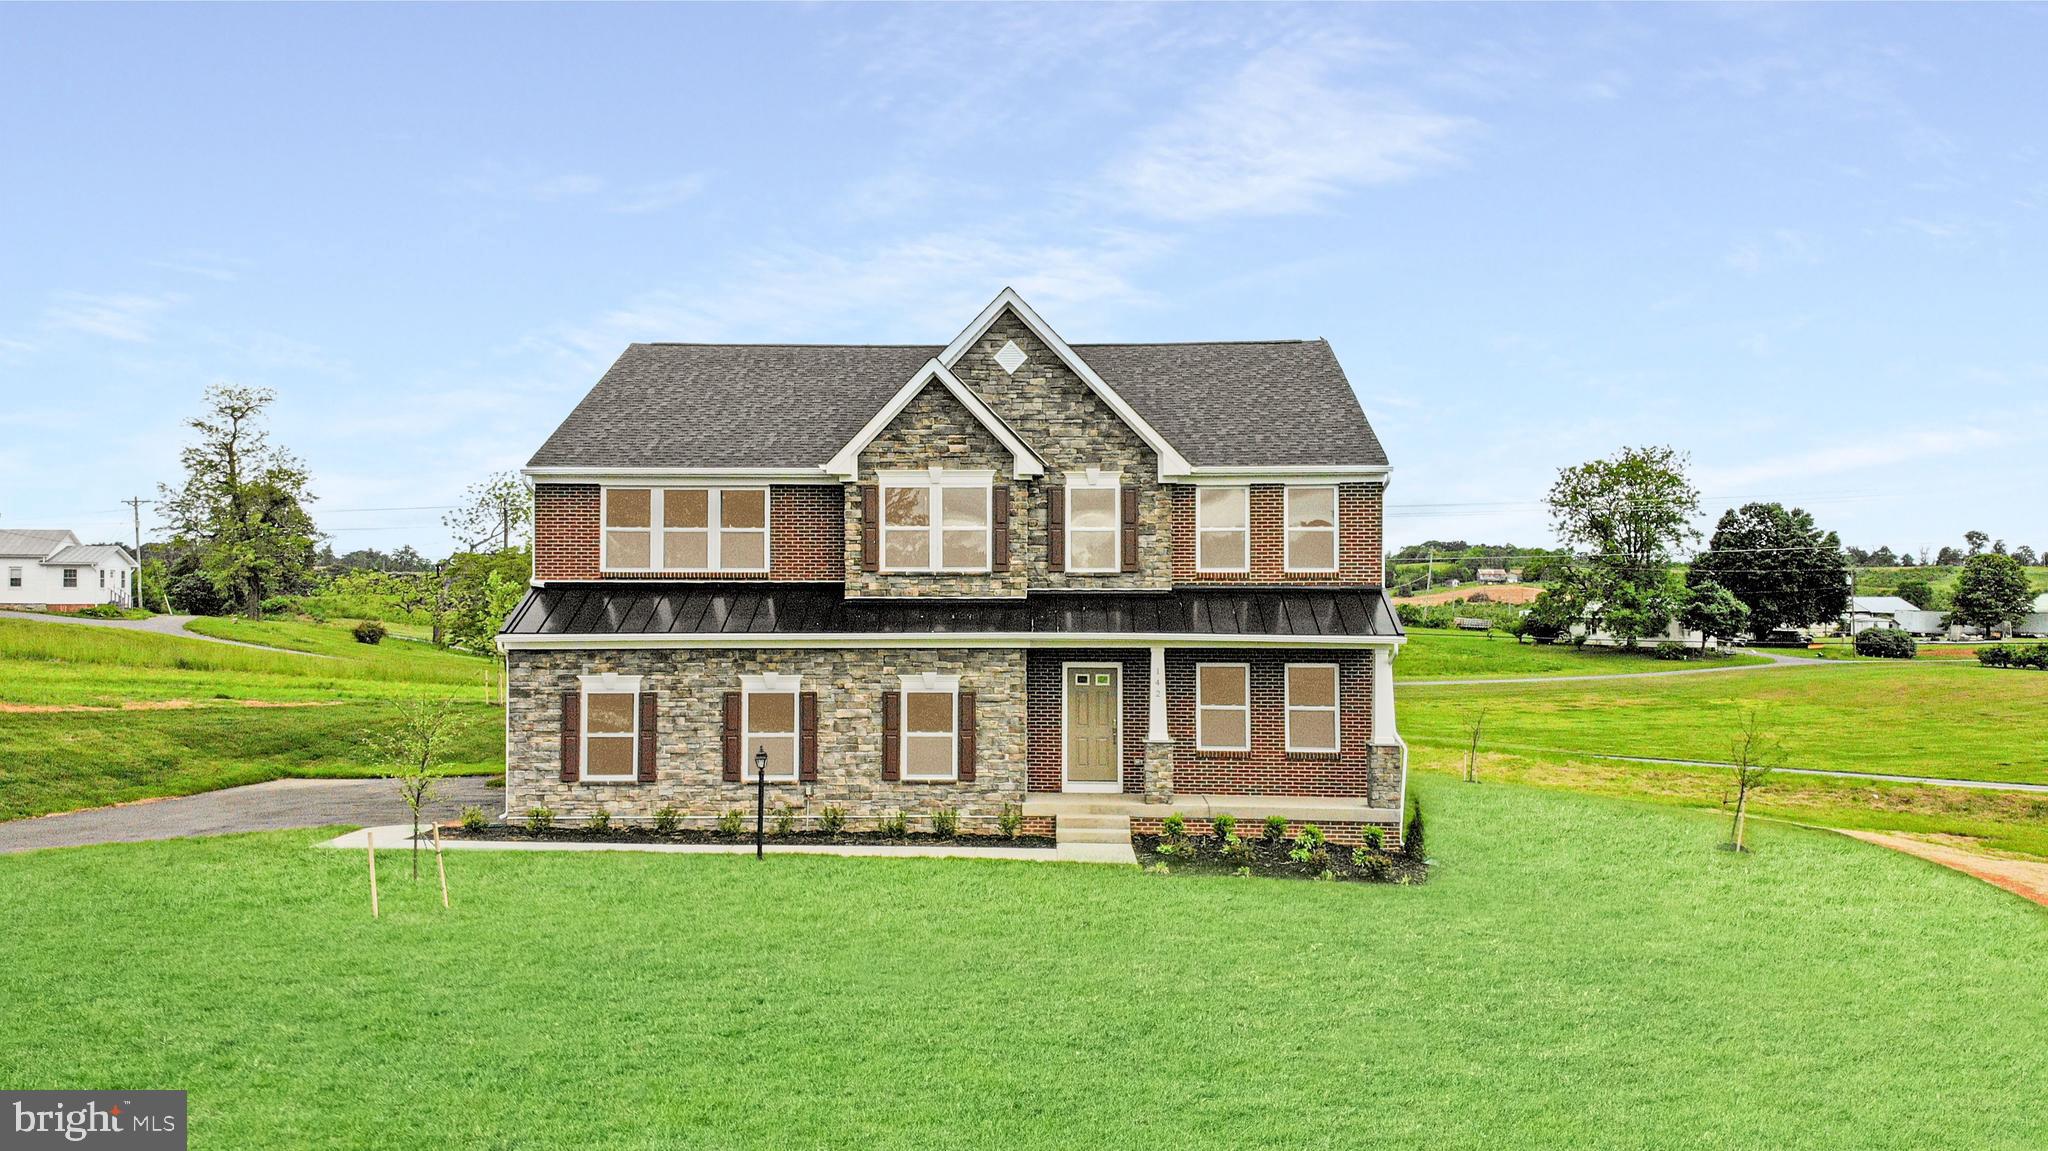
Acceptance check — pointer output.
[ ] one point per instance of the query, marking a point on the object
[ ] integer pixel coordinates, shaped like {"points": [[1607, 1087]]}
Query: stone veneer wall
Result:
{"points": [[805, 523], [691, 686], [1360, 545]]}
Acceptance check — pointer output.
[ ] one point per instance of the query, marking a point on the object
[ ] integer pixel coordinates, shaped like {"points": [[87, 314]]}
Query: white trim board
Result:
{"points": [[845, 464], [746, 641], [679, 477]]}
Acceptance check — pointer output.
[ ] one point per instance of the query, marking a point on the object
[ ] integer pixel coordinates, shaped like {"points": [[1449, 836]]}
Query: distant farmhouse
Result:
{"points": [[2035, 622], [1500, 575], [51, 569], [1889, 611]]}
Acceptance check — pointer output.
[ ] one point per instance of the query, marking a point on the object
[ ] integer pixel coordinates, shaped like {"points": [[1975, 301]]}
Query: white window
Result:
{"points": [[1094, 522], [936, 521], [1223, 529], [1311, 529], [611, 727], [768, 722], [1223, 714], [103, 578], [931, 727], [14, 577], [1312, 707], [700, 529], [70, 577]]}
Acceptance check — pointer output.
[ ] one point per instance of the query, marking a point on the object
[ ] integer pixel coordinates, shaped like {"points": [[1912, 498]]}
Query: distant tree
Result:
{"points": [[1629, 511], [2025, 555], [1753, 756], [1714, 612], [1991, 593], [1883, 557], [483, 588], [1998, 547], [240, 511], [1906, 559], [1785, 570], [1916, 591], [1859, 557], [1553, 612], [1948, 558], [493, 509], [1976, 542]]}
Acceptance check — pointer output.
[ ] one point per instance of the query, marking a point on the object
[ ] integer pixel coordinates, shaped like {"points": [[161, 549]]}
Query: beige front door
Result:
{"points": [[1092, 692]]}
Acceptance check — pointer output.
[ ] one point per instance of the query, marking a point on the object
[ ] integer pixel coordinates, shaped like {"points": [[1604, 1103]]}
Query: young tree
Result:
{"points": [[1917, 591], [1753, 755], [492, 509], [414, 744], [240, 511], [1785, 570], [1714, 612], [1473, 721], [1992, 592]]}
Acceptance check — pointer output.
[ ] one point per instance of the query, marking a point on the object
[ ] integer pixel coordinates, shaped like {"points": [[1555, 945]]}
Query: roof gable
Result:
{"points": [[34, 543], [845, 463]]}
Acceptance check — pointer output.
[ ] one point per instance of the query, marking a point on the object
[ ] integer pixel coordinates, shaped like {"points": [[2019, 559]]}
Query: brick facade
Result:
{"points": [[805, 523], [1360, 544], [1046, 722], [1268, 768]]}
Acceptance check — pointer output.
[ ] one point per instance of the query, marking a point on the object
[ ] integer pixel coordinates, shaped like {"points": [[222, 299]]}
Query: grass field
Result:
{"points": [[1580, 973], [1436, 653], [59, 760], [1894, 718]]}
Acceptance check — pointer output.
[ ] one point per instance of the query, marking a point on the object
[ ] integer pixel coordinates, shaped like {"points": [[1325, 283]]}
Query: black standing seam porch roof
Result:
{"points": [[784, 609]]}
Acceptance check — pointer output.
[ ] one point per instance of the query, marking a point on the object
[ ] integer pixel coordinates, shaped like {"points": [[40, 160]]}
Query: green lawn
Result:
{"points": [[1435, 653], [1580, 973], [1894, 718], [59, 761]]}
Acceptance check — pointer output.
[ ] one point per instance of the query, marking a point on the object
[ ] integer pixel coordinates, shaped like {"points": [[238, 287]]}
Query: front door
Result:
{"points": [[1092, 694]]}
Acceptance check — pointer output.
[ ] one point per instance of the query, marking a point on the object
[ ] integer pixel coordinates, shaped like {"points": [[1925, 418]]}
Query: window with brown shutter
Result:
{"points": [[647, 725], [892, 735], [1056, 528], [808, 761], [966, 737], [572, 735], [870, 528], [999, 530], [1130, 548], [731, 772]]}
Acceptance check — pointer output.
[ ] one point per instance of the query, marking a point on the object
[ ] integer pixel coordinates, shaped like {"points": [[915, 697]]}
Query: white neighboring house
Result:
{"points": [[1890, 611], [52, 569], [2035, 622]]}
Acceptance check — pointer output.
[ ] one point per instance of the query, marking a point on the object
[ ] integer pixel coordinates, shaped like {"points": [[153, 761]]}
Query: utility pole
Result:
{"points": [[135, 506], [1429, 576]]}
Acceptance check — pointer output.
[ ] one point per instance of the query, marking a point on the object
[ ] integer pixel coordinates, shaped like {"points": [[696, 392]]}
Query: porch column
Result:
{"points": [[1155, 731], [1383, 730], [1158, 747]]}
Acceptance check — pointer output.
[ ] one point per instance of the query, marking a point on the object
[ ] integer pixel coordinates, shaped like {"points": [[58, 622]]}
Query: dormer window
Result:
{"points": [[936, 520], [700, 529]]}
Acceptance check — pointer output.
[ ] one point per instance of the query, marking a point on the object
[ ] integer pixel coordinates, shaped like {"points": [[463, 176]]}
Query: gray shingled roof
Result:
{"points": [[1277, 403]]}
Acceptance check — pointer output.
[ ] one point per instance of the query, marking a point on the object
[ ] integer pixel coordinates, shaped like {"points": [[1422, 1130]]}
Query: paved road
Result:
{"points": [[274, 806], [161, 624]]}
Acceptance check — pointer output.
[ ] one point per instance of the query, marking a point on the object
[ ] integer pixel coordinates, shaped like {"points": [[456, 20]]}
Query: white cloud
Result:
{"points": [[658, 196], [1781, 246], [1885, 451], [126, 316], [1286, 134]]}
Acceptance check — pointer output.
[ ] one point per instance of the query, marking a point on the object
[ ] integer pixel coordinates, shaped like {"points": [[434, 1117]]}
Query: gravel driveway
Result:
{"points": [[274, 806]]}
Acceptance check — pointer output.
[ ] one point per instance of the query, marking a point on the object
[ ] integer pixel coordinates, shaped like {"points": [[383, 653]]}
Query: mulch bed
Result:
{"points": [[640, 833], [1204, 855]]}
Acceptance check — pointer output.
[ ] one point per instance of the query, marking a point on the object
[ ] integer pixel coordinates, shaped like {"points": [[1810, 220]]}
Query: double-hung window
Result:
{"points": [[611, 728], [1312, 707], [70, 577], [1094, 523], [768, 722], [931, 727], [1222, 529], [13, 577], [1223, 714], [1311, 529], [936, 521], [686, 529]]}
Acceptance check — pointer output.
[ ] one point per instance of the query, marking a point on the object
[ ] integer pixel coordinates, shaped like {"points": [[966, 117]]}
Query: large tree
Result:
{"points": [[241, 509], [1714, 612], [1916, 591], [1992, 592], [1786, 571], [492, 511], [1628, 513]]}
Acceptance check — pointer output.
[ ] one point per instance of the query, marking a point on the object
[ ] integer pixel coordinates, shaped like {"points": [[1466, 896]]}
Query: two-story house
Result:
{"points": [[1136, 578]]}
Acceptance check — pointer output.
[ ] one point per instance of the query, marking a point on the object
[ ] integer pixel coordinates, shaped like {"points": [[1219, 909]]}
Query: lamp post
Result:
{"points": [[760, 797]]}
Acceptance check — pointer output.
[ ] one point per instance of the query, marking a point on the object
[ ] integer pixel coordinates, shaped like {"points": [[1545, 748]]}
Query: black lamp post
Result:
{"points": [[760, 797]]}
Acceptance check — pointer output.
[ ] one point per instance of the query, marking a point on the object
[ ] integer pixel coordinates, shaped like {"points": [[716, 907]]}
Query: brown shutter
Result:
{"points": [[807, 758], [892, 734], [572, 735], [999, 525], [966, 737], [1055, 528], [732, 737], [1130, 548], [647, 726], [870, 528]]}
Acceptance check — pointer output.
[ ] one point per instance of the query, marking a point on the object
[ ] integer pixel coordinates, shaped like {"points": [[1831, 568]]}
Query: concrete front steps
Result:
{"points": [[1094, 837]]}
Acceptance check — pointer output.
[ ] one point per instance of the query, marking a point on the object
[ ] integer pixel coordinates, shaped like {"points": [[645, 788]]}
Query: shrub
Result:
{"points": [[1225, 826], [945, 823], [1885, 643], [1174, 827], [368, 631], [1011, 821], [785, 820], [599, 820], [732, 823], [1374, 841], [278, 604], [539, 820], [896, 825], [832, 820], [1311, 836], [1236, 851], [474, 819], [1671, 649], [1377, 868], [1276, 828], [2014, 655], [102, 611], [667, 820], [1412, 841]]}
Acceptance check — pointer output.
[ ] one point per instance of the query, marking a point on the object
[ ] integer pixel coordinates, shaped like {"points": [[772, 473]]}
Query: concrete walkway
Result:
{"points": [[397, 835], [2024, 878], [160, 624], [275, 806]]}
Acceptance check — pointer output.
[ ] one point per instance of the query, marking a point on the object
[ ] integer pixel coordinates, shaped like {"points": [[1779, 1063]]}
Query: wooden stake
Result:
{"points": [[439, 866], [370, 846]]}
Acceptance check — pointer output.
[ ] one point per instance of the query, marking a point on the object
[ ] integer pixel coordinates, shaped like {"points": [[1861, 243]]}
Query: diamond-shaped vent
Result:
{"points": [[1011, 357]]}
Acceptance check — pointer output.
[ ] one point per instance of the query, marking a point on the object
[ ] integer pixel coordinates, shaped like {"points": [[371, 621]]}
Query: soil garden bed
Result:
{"points": [[1208, 855], [641, 833]]}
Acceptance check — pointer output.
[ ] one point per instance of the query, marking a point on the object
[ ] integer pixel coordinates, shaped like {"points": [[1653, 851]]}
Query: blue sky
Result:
{"points": [[1804, 244]]}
